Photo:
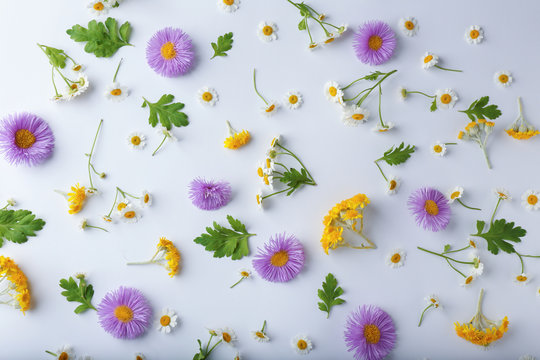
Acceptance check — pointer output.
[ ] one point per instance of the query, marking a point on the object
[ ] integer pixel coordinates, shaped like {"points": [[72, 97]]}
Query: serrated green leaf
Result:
{"points": [[17, 225], [446, 248], [329, 294], [397, 155], [294, 179], [373, 76], [302, 24], [225, 242], [57, 57], [480, 109], [480, 225], [498, 232], [166, 112], [224, 44], [433, 106], [81, 293]]}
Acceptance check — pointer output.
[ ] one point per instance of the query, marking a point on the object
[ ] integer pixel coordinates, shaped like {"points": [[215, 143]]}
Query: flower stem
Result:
{"points": [[454, 70], [97, 227], [423, 312], [264, 326], [380, 114], [453, 267], [238, 282], [521, 260], [458, 250], [494, 211], [255, 86], [485, 155], [51, 353], [114, 203], [480, 298], [92, 153], [117, 68], [54, 84], [277, 192], [359, 103], [450, 143], [160, 145], [421, 93], [384, 176], [299, 161], [307, 28], [468, 207], [444, 256]]}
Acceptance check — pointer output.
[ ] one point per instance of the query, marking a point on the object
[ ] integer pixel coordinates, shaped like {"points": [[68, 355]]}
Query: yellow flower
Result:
{"points": [[521, 129], [17, 288], [522, 135], [77, 194], [167, 255], [236, 139]]}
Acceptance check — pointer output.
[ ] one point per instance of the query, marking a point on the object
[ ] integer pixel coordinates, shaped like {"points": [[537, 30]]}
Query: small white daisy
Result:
{"points": [[262, 169], [438, 149], [136, 140], [333, 92], [522, 279], [229, 6], [207, 96], [65, 353], [78, 87], [503, 78], [227, 335], [98, 7], [312, 46], [121, 205], [454, 194], [270, 108], [446, 99], [530, 199], [167, 321], [268, 180], [392, 185], [11, 202], [83, 224], [130, 214], [396, 258], [408, 25], [433, 300], [146, 199], [474, 35], [116, 92], [502, 193], [107, 218], [162, 130], [301, 344], [260, 200], [402, 93], [429, 60], [330, 37], [468, 280], [293, 100], [381, 129], [260, 335], [140, 356], [267, 31], [354, 115], [478, 266]]}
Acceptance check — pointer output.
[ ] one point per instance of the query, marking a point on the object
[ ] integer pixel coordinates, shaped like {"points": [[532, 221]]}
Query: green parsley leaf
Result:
{"points": [[102, 39], [223, 241], [166, 112], [294, 179], [302, 24], [433, 106], [498, 232], [373, 76], [329, 294], [81, 293], [224, 44], [17, 225], [57, 57], [397, 155], [480, 109]]}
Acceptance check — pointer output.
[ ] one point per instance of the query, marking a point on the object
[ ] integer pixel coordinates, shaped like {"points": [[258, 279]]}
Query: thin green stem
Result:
{"points": [[92, 153], [450, 143], [320, 23], [264, 326], [283, 166], [359, 103], [213, 347], [299, 161], [257, 91], [453, 267], [521, 260], [207, 345], [382, 173], [326, 23], [357, 95], [445, 257], [54, 84], [124, 193], [380, 113], [354, 82], [495, 210], [51, 353], [454, 70], [421, 93], [117, 68], [423, 312], [458, 250], [66, 80], [97, 227], [114, 203], [275, 193], [309, 32], [468, 207], [160, 145], [238, 282], [483, 147]]}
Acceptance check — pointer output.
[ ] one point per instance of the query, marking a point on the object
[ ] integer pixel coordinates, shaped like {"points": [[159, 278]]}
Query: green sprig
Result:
{"points": [[81, 293], [166, 112], [224, 44], [227, 242], [330, 294], [480, 109], [17, 225]]}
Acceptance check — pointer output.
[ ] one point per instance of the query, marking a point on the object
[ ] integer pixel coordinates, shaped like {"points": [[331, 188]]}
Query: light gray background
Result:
{"points": [[340, 158]]}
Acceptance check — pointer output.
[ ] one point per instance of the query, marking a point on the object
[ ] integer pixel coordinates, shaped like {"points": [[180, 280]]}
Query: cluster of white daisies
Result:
{"points": [[101, 7]]}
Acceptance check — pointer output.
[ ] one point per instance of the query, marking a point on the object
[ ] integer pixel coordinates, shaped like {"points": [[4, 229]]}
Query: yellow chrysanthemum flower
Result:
{"points": [[167, 255], [77, 194], [16, 288], [236, 139], [521, 129]]}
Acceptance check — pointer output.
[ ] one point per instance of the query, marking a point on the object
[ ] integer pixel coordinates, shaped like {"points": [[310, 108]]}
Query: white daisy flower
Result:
{"points": [[354, 115], [333, 92], [140, 356], [402, 92], [77, 68], [522, 279], [454, 194], [262, 169], [474, 35], [107, 218], [270, 108], [392, 185], [396, 258], [146, 199], [433, 300], [503, 78], [227, 335], [260, 336], [312, 46], [268, 180], [260, 200], [267, 31], [468, 280], [270, 165], [229, 6], [478, 267], [408, 25], [293, 100], [429, 60], [207, 96], [446, 99], [65, 353], [330, 38], [130, 214], [78, 87], [530, 200], [162, 130], [116, 92], [83, 224], [301, 344], [167, 321], [98, 7], [502, 193], [11, 202], [438, 149], [136, 140], [274, 141], [381, 129], [121, 205]]}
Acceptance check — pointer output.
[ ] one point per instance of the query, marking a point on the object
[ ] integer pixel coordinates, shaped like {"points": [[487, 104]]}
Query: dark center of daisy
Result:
{"points": [[469, 280], [165, 320], [226, 337], [329, 40], [332, 91], [129, 214], [98, 6], [146, 198], [409, 25], [455, 194], [267, 30], [293, 99], [431, 207], [393, 184], [24, 138], [358, 117], [270, 108], [167, 51], [116, 92], [302, 344], [259, 335], [123, 313], [437, 148], [375, 42], [139, 357], [372, 333], [428, 59], [474, 34], [446, 98], [136, 140], [228, 2], [532, 199], [503, 78], [521, 278], [63, 356], [395, 258], [280, 258], [207, 96]]}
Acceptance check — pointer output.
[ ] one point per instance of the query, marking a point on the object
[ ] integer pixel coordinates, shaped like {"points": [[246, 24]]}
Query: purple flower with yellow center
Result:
{"points": [[209, 195], [170, 52], [124, 313], [25, 139], [370, 333], [281, 259], [374, 43], [430, 208]]}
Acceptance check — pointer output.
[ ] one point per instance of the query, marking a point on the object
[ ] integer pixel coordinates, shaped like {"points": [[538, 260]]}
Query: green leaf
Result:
{"points": [[166, 112], [398, 155], [227, 242], [498, 232], [302, 24], [224, 44], [18, 225], [446, 248], [480, 109], [329, 294], [294, 179], [103, 40], [480, 225], [433, 106], [57, 57], [373, 76], [81, 293]]}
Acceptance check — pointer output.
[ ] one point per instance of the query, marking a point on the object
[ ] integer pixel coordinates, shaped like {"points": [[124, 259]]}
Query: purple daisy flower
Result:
{"points": [[374, 43], [124, 313], [370, 333], [430, 208], [170, 52], [209, 195], [25, 139], [281, 259]]}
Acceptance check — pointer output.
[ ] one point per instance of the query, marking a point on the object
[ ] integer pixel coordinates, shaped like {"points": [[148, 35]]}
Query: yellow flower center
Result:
{"points": [[372, 333], [99, 6], [268, 163], [460, 135], [474, 34], [165, 320], [267, 30], [266, 180], [129, 214], [207, 96], [167, 51], [502, 195], [433, 300], [301, 344], [121, 206], [503, 78], [532, 199], [116, 92], [446, 98], [358, 117], [270, 108], [24, 139], [146, 198], [395, 258], [123, 313], [472, 243], [293, 99], [455, 195], [226, 337], [63, 356], [260, 172], [437, 149], [332, 91], [279, 259], [77, 67], [259, 199], [329, 40], [244, 273], [375, 42], [409, 25], [521, 278], [136, 140], [228, 2], [431, 207], [313, 46], [469, 280], [74, 86], [428, 59], [260, 335], [139, 357], [393, 184]]}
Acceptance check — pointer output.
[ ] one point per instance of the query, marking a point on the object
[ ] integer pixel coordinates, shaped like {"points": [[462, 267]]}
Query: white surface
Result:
{"points": [[340, 159]]}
